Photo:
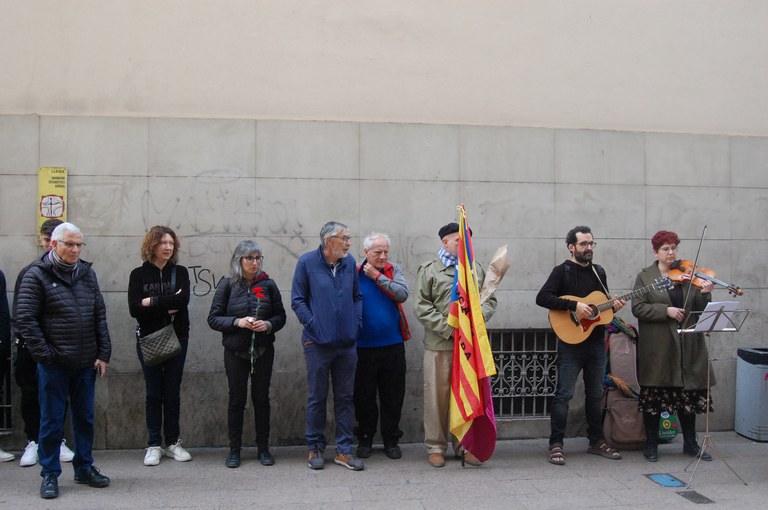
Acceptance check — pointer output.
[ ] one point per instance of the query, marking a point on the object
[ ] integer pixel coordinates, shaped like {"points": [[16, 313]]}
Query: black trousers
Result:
{"points": [[238, 373], [380, 370], [26, 378]]}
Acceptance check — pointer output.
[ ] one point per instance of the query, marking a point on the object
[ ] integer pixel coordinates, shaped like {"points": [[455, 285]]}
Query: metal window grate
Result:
{"points": [[526, 375]]}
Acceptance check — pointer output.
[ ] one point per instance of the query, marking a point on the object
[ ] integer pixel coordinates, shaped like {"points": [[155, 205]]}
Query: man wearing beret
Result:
{"points": [[434, 283]]}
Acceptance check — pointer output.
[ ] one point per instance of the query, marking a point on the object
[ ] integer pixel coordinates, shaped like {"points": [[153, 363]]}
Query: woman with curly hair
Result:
{"points": [[158, 294]]}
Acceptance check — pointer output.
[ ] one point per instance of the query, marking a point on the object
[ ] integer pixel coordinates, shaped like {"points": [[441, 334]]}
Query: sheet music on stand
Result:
{"points": [[722, 316], [718, 316]]}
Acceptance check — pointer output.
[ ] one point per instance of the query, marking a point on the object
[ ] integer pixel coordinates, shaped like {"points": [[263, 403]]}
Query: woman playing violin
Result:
{"points": [[672, 368]]}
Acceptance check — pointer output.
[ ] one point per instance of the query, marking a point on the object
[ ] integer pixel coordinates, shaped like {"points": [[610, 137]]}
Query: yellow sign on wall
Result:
{"points": [[52, 188]]}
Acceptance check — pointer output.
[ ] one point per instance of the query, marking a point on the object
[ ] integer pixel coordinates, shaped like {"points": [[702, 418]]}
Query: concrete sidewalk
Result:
{"points": [[517, 477]]}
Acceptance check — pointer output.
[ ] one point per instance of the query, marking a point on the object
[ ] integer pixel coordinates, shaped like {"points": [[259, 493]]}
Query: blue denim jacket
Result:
{"points": [[329, 307]]}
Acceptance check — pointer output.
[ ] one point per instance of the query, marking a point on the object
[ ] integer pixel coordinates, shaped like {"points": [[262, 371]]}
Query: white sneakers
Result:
{"points": [[5, 456], [29, 457], [176, 452], [152, 457], [65, 454]]}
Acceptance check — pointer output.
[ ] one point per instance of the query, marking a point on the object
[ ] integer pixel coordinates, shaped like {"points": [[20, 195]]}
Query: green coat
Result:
{"points": [[664, 358], [434, 282]]}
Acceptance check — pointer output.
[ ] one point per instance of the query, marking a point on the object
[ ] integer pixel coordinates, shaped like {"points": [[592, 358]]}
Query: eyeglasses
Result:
{"points": [[71, 246], [591, 244], [252, 258], [346, 239]]}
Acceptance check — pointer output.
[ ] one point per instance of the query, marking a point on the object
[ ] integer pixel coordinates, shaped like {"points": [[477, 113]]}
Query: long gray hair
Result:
{"points": [[243, 249], [330, 229]]}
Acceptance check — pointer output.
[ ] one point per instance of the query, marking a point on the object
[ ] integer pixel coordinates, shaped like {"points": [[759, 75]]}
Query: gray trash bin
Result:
{"points": [[752, 393]]}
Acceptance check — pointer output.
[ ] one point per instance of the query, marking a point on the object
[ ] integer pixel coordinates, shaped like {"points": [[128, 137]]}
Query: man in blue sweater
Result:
{"points": [[325, 296], [380, 348]]}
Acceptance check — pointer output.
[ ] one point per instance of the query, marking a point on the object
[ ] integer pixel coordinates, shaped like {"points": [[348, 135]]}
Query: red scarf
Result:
{"points": [[389, 272]]}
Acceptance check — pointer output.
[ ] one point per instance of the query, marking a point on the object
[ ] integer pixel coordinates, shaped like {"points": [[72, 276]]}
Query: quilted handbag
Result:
{"points": [[159, 346]]}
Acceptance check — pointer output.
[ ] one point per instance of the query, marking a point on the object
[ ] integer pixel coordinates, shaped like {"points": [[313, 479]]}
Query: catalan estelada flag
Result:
{"points": [[472, 417]]}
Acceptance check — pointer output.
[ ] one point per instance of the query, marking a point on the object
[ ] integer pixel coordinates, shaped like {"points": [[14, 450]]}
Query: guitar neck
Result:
{"points": [[626, 297]]}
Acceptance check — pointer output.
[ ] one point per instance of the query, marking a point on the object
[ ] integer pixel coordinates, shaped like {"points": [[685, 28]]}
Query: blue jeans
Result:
{"points": [[55, 385], [163, 402], [588, 357], [339, 364]]}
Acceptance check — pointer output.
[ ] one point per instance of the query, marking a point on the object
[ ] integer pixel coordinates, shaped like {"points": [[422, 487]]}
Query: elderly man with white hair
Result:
{"points": [[380, 348], [62, 316]]}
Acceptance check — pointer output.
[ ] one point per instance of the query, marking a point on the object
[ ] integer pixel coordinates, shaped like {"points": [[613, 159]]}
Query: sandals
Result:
{"points": [[601, 448], [556, 455]]}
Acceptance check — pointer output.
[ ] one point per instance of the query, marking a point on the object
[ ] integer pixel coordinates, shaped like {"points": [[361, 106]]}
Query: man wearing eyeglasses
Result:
{"points": [[26, 368], [578, 276], [326, 298], [62, 317]]}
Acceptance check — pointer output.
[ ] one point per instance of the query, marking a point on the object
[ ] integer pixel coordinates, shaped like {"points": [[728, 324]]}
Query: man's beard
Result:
{"points": [[583, 257]]}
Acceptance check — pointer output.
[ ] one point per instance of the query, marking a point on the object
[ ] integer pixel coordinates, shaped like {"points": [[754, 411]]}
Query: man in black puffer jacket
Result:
{"points": [[62, 316]]}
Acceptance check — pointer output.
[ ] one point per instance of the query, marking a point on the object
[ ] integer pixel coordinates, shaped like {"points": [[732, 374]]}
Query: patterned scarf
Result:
{"points": [[446, 258]]}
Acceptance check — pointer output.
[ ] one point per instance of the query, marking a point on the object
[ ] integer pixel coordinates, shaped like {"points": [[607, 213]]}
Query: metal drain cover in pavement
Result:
{"points": [[695, 497]]}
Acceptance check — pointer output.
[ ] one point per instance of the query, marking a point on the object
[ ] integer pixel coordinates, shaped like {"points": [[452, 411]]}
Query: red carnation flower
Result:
{"points": [[259, 292]]}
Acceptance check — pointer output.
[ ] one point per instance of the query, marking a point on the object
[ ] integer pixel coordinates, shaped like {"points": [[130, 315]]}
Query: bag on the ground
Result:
{"points": [[623, 423], [159, 346], [668, 426]]}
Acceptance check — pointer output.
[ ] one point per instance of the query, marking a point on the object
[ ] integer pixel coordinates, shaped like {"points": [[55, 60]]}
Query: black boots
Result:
{"points": [[233, 460], [651, 422], [690, 445]]}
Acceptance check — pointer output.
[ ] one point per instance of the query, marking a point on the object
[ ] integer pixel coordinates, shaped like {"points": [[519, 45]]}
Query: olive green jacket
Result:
{"points": [[434, 282], [665, 357]]}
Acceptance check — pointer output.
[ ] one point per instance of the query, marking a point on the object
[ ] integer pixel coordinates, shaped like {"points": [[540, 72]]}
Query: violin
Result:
{"points": [[685, 271]]}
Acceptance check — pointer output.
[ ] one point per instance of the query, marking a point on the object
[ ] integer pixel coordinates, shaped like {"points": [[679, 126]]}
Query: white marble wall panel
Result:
{"points": [[605, 157], [19, 201], [609, 210], [687, 209], [19, 144], [409, 152], [106, 204], [622, 260], [17, 252], [113, 259], [748, 214], [204, 206], [122, 329], [319, 150], [750, 264], [518, 309], [749, 162], [202, 148], [94, 145], [686, 160], [503, 154], [407, 208], [509, 209]]}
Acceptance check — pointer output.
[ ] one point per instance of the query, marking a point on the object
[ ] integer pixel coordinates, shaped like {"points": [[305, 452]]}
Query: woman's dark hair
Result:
{"points": [[153, 239]]}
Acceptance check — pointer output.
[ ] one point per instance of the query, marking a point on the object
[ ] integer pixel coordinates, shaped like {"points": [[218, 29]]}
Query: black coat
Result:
{"points": [[148, 280], [233, 302], [63, 321]]}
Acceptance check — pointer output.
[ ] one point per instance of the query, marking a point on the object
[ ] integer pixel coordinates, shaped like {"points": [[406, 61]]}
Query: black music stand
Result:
{"points": [[724, 317]]}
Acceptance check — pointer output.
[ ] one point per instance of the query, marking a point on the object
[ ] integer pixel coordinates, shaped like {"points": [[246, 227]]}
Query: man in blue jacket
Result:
{"points": [[326, 298]]}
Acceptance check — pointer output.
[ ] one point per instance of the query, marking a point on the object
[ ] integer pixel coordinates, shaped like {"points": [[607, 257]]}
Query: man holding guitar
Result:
{"points": [[578, 276]]}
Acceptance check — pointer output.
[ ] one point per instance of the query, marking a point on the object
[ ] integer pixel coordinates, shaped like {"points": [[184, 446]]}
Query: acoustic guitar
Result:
{"points": [[572, 330]]}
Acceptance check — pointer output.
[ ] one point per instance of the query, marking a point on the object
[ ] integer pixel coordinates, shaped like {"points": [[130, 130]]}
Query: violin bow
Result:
{"points": [[693, 272]]}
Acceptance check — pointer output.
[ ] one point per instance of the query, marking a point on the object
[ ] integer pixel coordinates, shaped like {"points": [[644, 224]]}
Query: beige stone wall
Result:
{"points": [[219, 181], [687, 66]]}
